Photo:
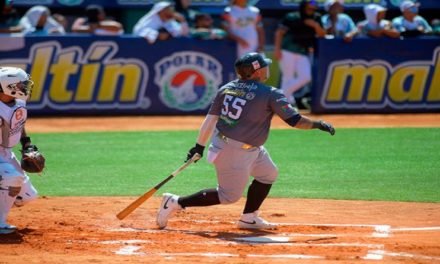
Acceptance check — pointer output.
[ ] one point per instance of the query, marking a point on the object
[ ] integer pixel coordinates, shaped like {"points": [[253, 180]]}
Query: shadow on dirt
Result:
{"points": [[16, 237]]}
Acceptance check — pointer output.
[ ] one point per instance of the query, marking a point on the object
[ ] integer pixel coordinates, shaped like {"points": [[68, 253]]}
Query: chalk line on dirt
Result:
{"points": [[380, 254]]}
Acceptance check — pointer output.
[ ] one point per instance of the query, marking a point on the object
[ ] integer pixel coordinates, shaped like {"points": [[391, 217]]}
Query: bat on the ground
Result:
{"points": [[135, 204]]}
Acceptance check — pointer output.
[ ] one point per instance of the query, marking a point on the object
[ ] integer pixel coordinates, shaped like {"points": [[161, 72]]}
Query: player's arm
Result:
{"points": [[226, 26], [208, 126], [279, 35], [261, 34], [285, 111], [207, 129], [307, 123], [25, 140], [205, 133]]}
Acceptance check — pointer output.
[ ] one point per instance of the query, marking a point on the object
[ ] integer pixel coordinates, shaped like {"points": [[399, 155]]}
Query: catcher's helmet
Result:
{"points": [[15, 82], [249, 63]]}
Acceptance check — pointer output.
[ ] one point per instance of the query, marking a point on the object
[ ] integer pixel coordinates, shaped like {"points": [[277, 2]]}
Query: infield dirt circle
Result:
{"points": [[85, 229]]}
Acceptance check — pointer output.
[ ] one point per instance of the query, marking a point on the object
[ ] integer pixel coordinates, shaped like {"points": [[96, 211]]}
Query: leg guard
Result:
{"points": [[9, 188], [27, 194]]}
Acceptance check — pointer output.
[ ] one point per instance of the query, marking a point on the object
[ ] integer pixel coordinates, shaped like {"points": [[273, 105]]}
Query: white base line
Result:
{"points": [[433, 228], [379, 254], [128, 250]]}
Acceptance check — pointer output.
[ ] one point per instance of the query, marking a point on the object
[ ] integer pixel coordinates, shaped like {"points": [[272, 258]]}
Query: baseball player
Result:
{"points": [[15, 186], [294, 43], [238, 124], [244, 25]]}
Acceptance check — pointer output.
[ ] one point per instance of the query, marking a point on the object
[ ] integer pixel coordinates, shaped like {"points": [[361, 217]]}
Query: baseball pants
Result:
{"points": [[296, 72], [235, 162]]}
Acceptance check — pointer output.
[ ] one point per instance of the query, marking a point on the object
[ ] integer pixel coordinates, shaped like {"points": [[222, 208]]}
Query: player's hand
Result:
{"points": [[197, 149], [327, 127]]}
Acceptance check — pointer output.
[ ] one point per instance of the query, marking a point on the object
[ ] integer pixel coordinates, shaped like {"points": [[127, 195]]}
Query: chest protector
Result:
{"points": [[13, 119]]}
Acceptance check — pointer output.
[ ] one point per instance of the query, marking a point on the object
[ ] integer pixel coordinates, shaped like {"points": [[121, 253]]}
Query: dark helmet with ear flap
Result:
{"points": [[249, 63]]}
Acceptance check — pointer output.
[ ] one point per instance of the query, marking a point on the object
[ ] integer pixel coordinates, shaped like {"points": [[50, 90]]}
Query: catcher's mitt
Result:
{"points": [[32, 160]]}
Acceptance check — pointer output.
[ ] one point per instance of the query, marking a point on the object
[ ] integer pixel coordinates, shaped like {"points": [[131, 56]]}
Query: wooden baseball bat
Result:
{"points": [[131, 207]]}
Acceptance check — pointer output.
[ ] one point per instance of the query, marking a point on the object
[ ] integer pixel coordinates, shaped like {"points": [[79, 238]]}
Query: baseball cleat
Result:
{"points": [[167, 208], [254, 221], [7, 229]]}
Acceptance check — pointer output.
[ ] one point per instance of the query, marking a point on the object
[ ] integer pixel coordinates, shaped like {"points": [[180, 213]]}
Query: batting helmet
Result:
{"points": [[249, 63], [15, 82]]}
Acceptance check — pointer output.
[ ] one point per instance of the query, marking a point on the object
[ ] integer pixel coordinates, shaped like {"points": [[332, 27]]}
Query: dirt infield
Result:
{"points": [[85, 229]]}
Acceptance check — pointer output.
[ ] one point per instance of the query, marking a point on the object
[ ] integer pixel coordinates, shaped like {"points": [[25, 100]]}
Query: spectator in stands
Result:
{"points": [[182, 7], [61, 20], [8, 18], [294, 43], [436, 26], [244, 24], [336, 23], [161, 23], [38, 20], [95, 22], [375, 24], [204, 28], [410, 24]]}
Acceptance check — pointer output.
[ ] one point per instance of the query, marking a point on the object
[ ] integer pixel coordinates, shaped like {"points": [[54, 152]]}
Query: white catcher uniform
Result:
{"points": [[12, 121]]}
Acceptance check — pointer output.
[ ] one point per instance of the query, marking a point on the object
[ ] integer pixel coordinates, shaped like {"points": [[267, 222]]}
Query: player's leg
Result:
{"points": [[233, 170], [287, 66], [10, 185], [172, 203], [303, 70], [300, 65], [206, 197], [265, 173], [27, 193]]}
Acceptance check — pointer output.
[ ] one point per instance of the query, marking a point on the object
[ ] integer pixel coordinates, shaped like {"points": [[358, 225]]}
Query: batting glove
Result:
{"points": [[197, 149], [327, 127]]}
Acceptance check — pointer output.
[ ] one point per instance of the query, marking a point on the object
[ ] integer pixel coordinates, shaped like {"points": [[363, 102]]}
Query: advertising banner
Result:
{"points": [[377, 76], [120, 75]]}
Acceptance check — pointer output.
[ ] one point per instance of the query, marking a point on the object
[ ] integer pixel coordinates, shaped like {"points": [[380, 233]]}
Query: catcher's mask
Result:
{"points": [[250, 63], [15, 82]]}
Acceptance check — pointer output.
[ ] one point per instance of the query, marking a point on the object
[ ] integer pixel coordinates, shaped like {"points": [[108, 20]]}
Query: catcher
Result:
{"points": [[15, 186]]}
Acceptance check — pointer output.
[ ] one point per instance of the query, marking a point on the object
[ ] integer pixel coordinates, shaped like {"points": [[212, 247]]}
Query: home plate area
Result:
{"points": [[86, 230], [220, 239]]}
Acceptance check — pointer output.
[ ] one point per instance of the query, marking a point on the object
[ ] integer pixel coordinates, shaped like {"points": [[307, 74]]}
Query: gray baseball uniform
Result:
{"points": [[240, 117], [245, 109]]}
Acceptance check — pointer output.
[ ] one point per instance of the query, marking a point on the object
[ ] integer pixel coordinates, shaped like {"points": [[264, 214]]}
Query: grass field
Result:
{"points": [[395, 164]]}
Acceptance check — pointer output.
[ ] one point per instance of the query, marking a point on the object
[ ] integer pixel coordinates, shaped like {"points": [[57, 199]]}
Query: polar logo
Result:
{"points": [[188, 81], [188, 86]]}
